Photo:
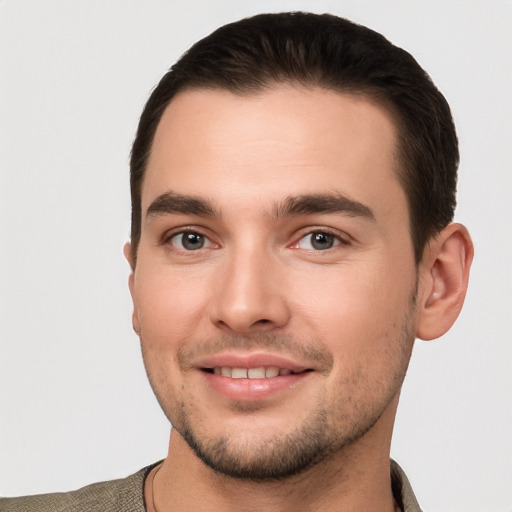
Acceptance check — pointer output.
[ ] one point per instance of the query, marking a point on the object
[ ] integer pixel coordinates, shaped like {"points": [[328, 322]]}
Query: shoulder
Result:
{"points": [[402, 490], [123, 495]]}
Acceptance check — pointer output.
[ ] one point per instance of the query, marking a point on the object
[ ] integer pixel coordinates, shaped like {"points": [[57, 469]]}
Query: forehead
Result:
{"points": [[285, 140]]}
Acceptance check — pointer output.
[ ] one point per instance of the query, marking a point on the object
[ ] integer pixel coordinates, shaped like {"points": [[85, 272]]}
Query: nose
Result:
{"points": [[250, 294]]}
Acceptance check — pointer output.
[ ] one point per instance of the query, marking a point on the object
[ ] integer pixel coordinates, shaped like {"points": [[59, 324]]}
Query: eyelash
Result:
{"points": [[190, 231], [338, 240]]}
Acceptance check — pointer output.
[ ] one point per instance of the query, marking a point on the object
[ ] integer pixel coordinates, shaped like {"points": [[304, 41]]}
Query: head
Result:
{"points": [[335, 54], [293, 183]]}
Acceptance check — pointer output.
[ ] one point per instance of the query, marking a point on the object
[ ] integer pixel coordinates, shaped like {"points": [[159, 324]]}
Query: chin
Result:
{"points": [[272, 458]]}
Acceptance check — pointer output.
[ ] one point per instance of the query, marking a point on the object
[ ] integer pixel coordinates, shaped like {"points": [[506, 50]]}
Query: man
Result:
{"points": [[293, 186]]}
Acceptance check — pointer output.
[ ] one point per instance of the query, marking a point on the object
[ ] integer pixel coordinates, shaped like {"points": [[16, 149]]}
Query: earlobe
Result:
{"points": [[127, 251], [444, 281]]}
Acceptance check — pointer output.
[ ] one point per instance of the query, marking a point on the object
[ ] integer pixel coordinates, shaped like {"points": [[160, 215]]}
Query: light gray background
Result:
{"points": [[74, 403]]}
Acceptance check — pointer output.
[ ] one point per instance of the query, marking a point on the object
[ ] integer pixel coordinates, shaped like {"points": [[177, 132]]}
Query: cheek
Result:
{"points": [[166, 314], [168, 305], [357, 310]]}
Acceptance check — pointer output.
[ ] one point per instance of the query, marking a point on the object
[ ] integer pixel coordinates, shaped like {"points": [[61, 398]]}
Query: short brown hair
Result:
{"points": [[322, 50]]}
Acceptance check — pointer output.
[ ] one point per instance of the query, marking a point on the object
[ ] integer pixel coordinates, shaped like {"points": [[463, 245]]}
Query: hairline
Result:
{"points": [[371, 94]]}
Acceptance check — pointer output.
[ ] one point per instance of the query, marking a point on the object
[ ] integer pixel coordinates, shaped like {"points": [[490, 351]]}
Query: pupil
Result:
{"points": [[193, 241], [322, 241]]}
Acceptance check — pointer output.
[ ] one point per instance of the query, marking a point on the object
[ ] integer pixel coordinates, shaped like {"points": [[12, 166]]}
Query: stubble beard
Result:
{"points": [[268, 459], [328, 429]]}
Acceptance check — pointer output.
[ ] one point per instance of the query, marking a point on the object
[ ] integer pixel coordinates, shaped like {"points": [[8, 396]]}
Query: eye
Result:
{"points": [[189, 241], [318, 241]]}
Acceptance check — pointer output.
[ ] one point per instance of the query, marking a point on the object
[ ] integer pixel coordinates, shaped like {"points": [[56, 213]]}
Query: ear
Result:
{"points": [[127, 251], [444, 276]]}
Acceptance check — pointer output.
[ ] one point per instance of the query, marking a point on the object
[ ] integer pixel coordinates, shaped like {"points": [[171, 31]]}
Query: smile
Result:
{"points": [[251, 377], [260, 372]]}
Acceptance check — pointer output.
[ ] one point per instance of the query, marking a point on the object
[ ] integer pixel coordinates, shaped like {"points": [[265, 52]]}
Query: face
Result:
{"points": [[275, 282]]}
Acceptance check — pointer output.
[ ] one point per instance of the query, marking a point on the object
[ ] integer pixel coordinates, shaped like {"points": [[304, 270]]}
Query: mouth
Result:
{"points": [[252, 377], [260, 372]]}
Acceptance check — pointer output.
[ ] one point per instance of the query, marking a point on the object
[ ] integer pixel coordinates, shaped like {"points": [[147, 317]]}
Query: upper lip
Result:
{"points": [[249, 360]]}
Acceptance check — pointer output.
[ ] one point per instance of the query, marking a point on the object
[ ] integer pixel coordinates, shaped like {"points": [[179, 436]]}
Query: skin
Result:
{"points": [[259, 287]]}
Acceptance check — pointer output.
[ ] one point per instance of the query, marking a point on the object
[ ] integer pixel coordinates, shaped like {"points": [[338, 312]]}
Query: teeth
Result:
{"points": [[238, 373], [256, 373], [251, 373], [272, 371]]}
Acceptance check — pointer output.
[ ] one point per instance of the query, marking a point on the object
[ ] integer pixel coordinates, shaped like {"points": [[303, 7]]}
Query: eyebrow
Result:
{"points": [[323, 204], [172, 203]]}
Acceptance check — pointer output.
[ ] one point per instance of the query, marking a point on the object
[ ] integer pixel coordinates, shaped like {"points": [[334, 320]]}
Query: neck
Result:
{"points": [[358, 478]]}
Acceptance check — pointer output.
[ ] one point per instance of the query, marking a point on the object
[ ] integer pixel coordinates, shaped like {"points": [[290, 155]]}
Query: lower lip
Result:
{"points": [[250, 390]]}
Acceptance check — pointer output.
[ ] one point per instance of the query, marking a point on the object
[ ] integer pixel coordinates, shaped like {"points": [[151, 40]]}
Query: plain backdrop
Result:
{"points": [[75, 406]]}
